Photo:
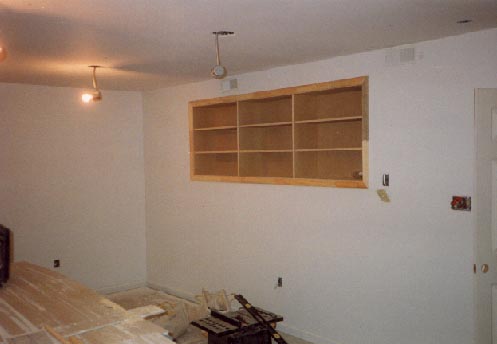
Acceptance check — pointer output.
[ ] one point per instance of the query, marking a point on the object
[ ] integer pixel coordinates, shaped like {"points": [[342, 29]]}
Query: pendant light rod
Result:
{"points": [[218, 71], [95, 95], [95, 85], [217, 34], [217, 49]]}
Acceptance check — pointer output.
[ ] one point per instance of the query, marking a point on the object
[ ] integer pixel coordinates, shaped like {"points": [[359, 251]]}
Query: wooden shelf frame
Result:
{"points": [[250, 145], [330, 119], [218, 152], [226, 127], [269, 124], [328, 149]]}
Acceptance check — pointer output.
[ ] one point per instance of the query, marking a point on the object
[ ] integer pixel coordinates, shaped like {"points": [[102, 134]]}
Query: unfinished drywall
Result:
{"points": [[355, 270], [72, 182]]}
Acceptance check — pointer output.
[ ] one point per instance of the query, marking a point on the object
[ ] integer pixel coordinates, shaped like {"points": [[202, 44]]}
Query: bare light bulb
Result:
{"points": [[93, 96], [3, 53], [86, 97]]}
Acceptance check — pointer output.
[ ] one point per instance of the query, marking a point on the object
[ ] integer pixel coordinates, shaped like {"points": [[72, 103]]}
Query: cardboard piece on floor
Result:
{"points": [[218, 300]]}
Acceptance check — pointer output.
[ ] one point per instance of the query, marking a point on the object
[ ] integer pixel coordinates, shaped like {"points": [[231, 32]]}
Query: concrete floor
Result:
{"points": [[145, 296]]}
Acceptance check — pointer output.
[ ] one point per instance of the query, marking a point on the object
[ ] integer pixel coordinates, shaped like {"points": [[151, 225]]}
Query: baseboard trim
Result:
{"points": [[178, 293], [310, 337], [121, 287]]}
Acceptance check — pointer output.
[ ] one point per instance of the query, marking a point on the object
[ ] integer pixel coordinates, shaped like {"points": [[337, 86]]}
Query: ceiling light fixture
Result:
{"points": [[3, 53], [95, 95], [219, 71]]}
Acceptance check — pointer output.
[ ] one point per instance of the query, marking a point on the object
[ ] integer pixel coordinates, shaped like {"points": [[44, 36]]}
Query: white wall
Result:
{"points": [[72, 182], [355, 270]]}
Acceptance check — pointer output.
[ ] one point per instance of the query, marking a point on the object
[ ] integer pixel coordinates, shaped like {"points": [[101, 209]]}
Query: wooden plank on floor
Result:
{"points": [[39, 337], [135, 331], [35, 297]]}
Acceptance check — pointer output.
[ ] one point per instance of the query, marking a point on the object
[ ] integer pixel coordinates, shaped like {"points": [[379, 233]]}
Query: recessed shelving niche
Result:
{"points": [[307, 135]]}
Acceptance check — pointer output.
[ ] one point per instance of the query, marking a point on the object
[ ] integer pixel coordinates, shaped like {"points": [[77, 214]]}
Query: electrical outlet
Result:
{"points": [[280, 282], [56, 263], [461, 203]]}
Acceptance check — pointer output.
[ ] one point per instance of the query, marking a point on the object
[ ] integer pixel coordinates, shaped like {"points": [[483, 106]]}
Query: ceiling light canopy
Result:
{"points": [[219, 71], [94, 95]]}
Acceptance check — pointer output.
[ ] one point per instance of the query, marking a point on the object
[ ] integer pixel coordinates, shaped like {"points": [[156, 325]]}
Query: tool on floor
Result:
{"points": [[251, 325], [254, 312]]}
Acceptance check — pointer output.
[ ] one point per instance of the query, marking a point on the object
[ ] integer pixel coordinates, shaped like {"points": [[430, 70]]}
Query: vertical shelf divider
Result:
{"points": [[365, 131], [293, 135], [238, 137]]}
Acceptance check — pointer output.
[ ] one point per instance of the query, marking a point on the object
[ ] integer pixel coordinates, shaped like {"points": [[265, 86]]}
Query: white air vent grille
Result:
{"points": [[398, 56], [229, 85]]}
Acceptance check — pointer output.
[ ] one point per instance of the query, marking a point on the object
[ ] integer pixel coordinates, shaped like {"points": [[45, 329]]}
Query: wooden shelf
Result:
{"points": [[333, 103], [266, 138], [329, 149], [331, 119], [267, 151], [226, 127], [216, 115], [267, 164], [216, 140], [307, 135], [317, 135], [265, 110], [271, 124], [339, 165], [217, 152], [356, 184], [218, 164]]}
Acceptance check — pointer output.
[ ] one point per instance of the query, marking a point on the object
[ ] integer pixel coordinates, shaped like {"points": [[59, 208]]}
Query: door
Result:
{"points": [[485, 206]]}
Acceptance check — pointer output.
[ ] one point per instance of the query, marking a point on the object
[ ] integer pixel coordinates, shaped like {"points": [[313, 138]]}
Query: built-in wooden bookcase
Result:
{"points": [[308, 135]]}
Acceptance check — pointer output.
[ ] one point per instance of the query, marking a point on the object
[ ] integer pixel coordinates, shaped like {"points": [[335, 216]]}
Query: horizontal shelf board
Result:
{"points": [[328, 149], [330, 182], [271, 124], [283, 92], [217, 152], [266, 151], [225, 127], [331, 119], [283, 180]]}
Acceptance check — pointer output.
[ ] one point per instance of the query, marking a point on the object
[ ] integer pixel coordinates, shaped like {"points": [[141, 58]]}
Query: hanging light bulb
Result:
{"points": [[3, 53], [86, 97], [219, 71], [95, 95], [91, 96]]}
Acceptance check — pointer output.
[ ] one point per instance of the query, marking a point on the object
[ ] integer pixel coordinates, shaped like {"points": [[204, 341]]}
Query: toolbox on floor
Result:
{"points": [[239, 327]]}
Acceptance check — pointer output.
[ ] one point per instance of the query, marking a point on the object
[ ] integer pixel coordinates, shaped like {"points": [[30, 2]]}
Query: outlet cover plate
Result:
{"points": [[461, 203]]}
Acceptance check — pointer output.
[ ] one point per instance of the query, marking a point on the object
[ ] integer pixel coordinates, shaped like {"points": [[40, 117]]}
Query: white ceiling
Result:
{"points": [[148, 44]]}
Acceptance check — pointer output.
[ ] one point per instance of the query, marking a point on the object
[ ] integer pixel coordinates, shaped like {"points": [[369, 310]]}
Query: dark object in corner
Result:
{"points": [[241, 327], [256, 314], [4, 254]]}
